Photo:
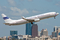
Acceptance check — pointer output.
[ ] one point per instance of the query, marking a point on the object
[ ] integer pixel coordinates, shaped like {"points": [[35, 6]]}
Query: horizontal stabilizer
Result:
{"points": [[6, 23]]}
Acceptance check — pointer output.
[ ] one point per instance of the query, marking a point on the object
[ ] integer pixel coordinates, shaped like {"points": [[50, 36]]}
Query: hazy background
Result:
{"points": [[17, 8]]}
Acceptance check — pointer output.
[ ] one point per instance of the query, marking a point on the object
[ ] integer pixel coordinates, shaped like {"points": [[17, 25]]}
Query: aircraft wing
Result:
{"points": [[31, 20]]}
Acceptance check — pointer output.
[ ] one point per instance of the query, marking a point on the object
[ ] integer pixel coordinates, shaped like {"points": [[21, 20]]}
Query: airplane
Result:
{"points": [[31, 19]]}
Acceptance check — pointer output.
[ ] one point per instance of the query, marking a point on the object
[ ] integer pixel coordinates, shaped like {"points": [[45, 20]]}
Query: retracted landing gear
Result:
{"points": [[31, 22]]}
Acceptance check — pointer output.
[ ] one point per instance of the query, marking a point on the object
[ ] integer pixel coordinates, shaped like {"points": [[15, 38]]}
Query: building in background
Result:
{"points": [[44, 32], [34, 30], [13, 33], [54, 38], [15, 37], [3, 38], [29, 28], [54, 34], [20, 37], [58, 33], [39, 33], [27, 37], [55, 29]]}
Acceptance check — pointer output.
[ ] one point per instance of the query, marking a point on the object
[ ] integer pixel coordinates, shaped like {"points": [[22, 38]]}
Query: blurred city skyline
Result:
{"points": [[17, 8]]}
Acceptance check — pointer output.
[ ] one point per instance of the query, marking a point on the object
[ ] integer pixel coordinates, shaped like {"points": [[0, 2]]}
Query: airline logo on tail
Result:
{"points": [[4, 17]]}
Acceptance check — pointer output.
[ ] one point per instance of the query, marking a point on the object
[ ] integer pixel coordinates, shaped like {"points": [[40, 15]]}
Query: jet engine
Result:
{"points": [[36, 20]]}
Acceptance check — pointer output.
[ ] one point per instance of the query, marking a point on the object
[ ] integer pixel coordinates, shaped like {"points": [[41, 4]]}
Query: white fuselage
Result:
{"points": [[36, 18]]}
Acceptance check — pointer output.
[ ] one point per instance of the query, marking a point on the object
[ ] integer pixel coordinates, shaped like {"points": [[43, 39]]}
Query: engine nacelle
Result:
{"points": [[36, 20]]}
